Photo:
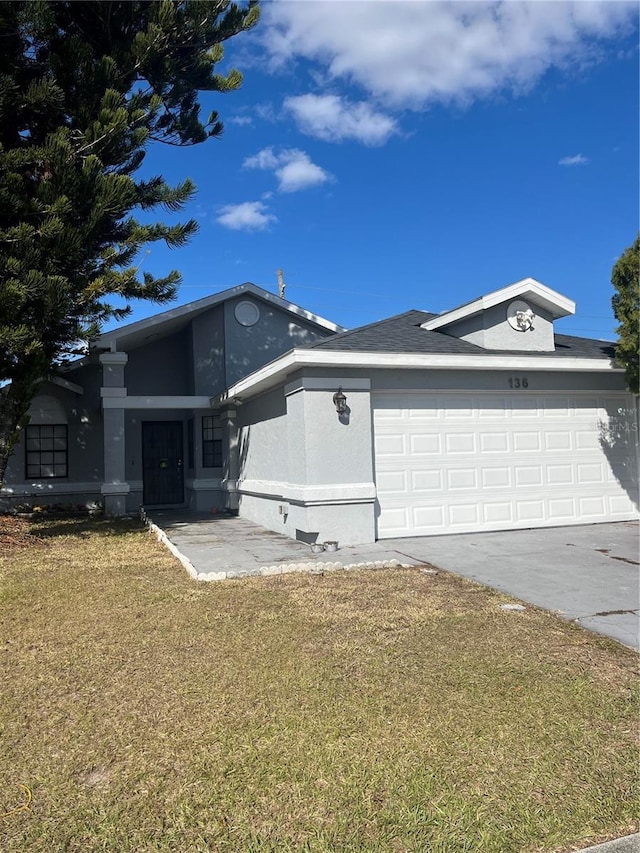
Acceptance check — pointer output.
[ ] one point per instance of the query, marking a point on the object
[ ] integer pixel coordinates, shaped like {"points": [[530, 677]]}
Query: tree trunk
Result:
{"points": [[15, 400]]}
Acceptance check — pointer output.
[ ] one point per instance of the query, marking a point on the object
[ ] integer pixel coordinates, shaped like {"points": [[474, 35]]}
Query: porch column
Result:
{"points": [[115, 487], [230, 459]]}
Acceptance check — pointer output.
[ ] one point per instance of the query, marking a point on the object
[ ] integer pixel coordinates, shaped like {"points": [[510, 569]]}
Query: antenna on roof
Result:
{"points": [[281, 284]]}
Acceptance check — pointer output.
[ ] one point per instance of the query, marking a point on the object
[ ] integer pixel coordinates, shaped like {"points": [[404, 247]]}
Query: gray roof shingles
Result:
{"points": [[402, 334]]}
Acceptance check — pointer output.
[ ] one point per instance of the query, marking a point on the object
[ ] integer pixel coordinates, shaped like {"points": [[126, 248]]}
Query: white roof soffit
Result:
{"points": [[555, 303], [109, 339], [276, 371]]}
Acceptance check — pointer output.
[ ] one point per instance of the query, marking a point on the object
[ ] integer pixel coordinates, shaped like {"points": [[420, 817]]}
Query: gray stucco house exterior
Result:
{"points": [[479, 418]]}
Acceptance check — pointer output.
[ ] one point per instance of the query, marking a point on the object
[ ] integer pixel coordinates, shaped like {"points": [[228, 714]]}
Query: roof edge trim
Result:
{"points": [[557, 304], [108, 339], [275, 372]]}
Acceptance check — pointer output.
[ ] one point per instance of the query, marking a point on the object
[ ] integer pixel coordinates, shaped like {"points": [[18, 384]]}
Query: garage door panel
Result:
{"points": [[496, 442], [562, 509], [530, 511], [498, 513], [425, 444], [387, 445], [392, 481], [557, 441], [490, 462], [428, 480], [620, 504], [526, 406], [592, 506], [429, 518], [462, 478], [464, 442], [453, 408], [496, 478], [587, 439], [560, 475], [559, 407], [493, 408], [464, 515], [528, 475], [592, 473], [526, 442]]}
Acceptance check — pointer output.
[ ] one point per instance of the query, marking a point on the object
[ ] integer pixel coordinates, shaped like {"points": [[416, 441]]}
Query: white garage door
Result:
{"points": [[453, 463]]}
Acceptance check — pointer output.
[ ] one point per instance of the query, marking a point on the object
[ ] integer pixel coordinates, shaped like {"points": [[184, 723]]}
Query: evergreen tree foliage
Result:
{"points": [[625, 278], [84, 87]]}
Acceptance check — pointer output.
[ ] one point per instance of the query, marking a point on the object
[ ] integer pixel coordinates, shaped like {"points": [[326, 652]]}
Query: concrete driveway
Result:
{"points": [[588, 574]]}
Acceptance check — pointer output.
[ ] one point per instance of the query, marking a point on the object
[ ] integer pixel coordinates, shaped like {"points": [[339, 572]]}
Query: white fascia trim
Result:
{"points": [[277, 370], [109, 339], [333, 493], [42, 487], [557, 304], [313, 383], [156, 403], [293, 308], [68, 386]]}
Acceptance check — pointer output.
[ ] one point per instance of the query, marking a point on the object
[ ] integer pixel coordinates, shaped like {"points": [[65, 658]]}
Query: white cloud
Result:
{"points": [[334, 119], [576, 160], [240, 120], [412, 54], [292, 167], [247, 216]]}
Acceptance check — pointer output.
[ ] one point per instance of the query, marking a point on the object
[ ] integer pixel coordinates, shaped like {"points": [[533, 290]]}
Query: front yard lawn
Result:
{"points": [[355, 711]]}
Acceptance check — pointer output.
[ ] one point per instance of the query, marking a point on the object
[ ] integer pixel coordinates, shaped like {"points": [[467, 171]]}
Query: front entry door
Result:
{"points": [[162, 471]]}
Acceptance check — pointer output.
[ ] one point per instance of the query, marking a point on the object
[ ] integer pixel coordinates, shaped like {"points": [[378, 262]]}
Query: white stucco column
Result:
{"points": [[115, 487]]}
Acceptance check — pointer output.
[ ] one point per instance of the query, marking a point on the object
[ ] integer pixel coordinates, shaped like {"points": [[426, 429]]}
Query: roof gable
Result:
{"points": [[553, 302], [173, 320]]}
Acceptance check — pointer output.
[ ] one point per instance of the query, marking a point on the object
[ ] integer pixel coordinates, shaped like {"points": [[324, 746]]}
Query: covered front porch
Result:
{"points": [[165, 451]]}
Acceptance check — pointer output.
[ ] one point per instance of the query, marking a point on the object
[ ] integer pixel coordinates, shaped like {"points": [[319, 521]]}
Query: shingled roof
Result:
{"points": [[402, 334]]}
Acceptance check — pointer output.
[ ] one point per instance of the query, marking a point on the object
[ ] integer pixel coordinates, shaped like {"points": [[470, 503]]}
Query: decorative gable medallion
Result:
{"points": [[247, 313], [520, 316]]}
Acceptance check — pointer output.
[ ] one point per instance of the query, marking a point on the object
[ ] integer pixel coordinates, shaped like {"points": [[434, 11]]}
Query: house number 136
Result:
{"points": [[518, 382]]}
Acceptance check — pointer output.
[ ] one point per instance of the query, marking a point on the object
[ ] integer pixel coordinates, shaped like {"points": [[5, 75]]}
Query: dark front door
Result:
{"points": [[162, 472]]}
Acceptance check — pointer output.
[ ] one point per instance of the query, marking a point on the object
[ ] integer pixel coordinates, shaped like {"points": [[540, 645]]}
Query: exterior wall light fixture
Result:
{"points": [[340, 401]]}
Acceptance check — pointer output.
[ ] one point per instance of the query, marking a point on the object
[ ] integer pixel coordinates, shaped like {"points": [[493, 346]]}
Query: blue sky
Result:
{"points": [[393, 155]]}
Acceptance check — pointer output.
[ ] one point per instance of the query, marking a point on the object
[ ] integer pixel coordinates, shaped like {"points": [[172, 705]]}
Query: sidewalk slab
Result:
{"points": [[628, 844]]}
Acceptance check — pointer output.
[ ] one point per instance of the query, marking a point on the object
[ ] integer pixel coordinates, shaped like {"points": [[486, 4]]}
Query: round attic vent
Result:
{"points": [[247, 313], [520, 316]]}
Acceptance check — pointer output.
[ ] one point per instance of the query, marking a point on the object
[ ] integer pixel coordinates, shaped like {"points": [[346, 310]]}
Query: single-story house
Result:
{"points": [[478, 418]]}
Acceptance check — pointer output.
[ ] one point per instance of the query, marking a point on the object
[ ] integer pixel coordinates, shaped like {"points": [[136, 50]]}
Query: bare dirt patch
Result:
{"points": [[15, 534]]}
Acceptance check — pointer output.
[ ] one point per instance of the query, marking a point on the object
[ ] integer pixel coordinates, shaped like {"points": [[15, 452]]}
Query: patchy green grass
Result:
{"points": [[388, 711]]}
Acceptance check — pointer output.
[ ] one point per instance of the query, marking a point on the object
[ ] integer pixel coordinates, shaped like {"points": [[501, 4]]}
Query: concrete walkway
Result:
{"points": [[217, 547], [587, 574]]}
